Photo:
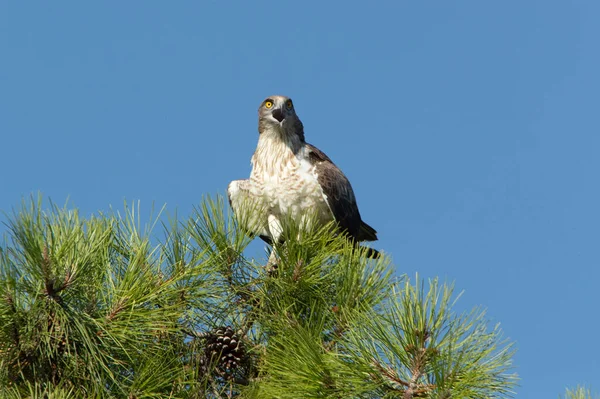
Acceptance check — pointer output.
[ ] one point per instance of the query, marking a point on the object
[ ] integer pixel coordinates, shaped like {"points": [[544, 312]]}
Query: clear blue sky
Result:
{"points": [[469, 130]]}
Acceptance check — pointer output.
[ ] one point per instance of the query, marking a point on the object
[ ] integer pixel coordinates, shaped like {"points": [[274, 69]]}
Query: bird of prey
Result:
{"points": [[291, 179]]}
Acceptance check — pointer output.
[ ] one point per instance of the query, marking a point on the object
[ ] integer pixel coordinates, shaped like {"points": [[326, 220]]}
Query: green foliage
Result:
{"points": [[418, 344], [101, 307], [580, 393]]}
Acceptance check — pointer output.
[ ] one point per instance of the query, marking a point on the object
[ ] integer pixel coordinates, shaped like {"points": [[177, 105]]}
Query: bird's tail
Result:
{"points": [[372, 253]]}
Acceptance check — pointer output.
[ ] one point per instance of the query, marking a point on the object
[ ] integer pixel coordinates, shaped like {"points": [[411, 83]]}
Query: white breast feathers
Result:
{"points": [[288, 187]]}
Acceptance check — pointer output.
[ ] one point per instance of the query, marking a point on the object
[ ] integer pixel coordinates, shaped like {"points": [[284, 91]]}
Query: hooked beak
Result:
{"points": [[278, 114]]}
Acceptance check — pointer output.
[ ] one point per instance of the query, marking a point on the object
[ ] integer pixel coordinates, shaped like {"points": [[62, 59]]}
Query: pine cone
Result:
{"points": [[224, 351]]}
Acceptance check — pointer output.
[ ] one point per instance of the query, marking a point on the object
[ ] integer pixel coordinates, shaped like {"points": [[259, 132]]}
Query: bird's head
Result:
{"points": [[277, 114]]}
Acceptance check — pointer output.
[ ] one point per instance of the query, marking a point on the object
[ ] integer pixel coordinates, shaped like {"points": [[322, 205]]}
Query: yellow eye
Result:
{"points": [[268, 104], [289, 104]]}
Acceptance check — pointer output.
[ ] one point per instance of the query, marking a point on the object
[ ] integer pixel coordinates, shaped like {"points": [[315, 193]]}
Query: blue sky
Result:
{"points": [[469, 130]]}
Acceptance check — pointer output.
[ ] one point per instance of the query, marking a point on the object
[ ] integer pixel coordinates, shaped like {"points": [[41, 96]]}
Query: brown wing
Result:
{"points": [[340, 196]]}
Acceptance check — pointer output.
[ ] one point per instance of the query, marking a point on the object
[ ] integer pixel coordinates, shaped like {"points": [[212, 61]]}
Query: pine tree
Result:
{"points": [[580, 393], [103, 307]]}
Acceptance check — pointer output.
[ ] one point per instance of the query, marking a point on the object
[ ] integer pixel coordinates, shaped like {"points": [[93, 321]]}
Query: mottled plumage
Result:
{"points": [[291, 179]]}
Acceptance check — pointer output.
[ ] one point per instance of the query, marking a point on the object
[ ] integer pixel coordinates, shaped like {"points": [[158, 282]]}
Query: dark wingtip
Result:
{"points": [[366, 233]]}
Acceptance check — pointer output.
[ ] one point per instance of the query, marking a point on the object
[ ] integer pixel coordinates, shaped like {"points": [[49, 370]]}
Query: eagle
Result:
{"points": [[291, 179]]}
